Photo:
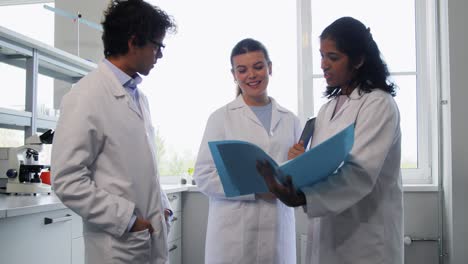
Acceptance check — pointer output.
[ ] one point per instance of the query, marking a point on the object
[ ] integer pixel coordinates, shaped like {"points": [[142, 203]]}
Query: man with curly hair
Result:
{"points": [[104, 154]]}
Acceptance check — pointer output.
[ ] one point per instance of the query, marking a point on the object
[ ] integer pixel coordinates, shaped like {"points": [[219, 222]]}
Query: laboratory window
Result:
{"points": [[193, 78], [402, 29], [11, 137], [13, 88]]}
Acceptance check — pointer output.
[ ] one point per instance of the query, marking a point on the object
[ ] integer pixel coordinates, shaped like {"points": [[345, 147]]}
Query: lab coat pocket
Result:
{"points": [[132, 247], [225, 234], [359, 242]]}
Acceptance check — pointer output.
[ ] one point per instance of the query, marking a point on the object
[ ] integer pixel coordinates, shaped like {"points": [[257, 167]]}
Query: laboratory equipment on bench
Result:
{"points": [[21, 167]]}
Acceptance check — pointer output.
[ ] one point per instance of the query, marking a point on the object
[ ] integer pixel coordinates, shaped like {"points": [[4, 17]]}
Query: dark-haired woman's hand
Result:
{"points": [[286, 192]]}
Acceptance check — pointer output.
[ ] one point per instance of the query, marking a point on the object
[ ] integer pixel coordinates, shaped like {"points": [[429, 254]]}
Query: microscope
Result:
{"points": [[21, 166]]}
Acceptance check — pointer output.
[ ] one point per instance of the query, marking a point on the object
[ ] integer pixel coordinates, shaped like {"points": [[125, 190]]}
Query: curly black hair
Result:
{"points": [[133, 18], [355, 40]]}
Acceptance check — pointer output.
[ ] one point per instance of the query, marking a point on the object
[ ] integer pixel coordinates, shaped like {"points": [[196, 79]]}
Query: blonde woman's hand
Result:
{"points": [[296, 150]]}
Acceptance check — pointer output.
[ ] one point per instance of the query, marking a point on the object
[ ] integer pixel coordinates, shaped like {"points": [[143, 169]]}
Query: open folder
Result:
{"points": [[236, 163]]}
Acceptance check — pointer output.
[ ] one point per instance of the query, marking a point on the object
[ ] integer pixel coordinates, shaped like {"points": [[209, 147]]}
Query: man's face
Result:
{"points": [[146, 56]]}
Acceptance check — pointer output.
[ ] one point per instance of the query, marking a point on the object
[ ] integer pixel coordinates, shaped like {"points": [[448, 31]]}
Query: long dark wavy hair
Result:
{"points": [[245, 46], [355, 40], [124, 19]]}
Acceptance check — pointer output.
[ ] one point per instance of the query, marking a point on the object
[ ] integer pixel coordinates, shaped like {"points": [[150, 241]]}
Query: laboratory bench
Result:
{"points": [[52, 233], [17, 205]]}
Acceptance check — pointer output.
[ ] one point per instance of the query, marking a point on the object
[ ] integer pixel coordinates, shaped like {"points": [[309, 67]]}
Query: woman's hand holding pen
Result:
{"points": [[296, 150]]}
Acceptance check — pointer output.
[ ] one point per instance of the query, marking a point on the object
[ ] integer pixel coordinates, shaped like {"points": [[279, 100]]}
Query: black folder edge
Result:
{"points": [[308, 131]]}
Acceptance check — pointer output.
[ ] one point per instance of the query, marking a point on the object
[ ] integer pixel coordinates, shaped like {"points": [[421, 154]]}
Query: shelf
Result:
{"points": [[10, 117], [36, 58], [16, 48]]}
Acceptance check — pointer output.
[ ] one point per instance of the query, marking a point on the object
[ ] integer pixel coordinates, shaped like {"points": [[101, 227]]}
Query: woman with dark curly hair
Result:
{"points": [[356, 215]]}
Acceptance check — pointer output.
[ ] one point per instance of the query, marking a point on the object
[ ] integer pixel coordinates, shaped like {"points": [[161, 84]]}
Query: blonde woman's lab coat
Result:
{"points": [[356, 216], [244, 230], [103, 163]]}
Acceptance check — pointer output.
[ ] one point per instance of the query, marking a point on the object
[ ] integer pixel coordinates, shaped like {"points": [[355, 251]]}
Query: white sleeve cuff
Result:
{"points": [[132, 222]]}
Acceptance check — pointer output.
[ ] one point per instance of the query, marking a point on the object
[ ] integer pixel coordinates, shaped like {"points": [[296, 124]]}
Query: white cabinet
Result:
{"points": [[175, 252], [77, 244], [77, 255], [174, 238], [41, 238], [175, 235]]}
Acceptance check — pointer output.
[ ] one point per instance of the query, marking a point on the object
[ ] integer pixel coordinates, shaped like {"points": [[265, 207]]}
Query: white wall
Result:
{"points": [[455, 66], [66, 31], [66, 35]]}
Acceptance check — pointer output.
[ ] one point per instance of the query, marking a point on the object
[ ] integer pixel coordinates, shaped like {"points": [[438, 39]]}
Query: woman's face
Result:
{"points": [[336, 65], [251, 72]]}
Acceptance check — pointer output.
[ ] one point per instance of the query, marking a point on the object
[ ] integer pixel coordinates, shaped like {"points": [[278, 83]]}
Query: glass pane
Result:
{"points": [[406, 100], [45, 96], [31, 20], [11, 138], [13, 90], [395, 35], [193, 78], [319, 99]]}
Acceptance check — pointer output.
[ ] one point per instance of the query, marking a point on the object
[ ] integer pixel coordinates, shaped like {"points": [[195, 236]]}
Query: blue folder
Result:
{"points": [[235, 161]]}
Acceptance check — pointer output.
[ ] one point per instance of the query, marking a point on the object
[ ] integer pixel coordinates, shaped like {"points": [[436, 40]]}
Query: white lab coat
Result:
{"points": [[104, 169], [356, 216], [244, 230]]}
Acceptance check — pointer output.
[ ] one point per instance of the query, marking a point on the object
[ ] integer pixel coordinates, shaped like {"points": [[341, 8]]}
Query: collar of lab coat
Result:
{"points": [[276, 111], [356, 94], [116, 88], [240, 103]]}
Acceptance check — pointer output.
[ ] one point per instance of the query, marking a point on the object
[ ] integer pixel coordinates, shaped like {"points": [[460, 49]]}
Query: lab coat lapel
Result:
{"points": [[341, 110], [117, 89], [276, 114], [131, 104], [246, 111], [355, 95]]}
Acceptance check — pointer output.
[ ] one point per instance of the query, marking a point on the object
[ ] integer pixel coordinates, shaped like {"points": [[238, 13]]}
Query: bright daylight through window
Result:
{"points": [[40, 28], [193, 78]]}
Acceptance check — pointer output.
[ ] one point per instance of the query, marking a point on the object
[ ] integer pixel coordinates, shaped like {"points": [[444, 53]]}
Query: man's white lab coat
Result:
{"points": [[104, 168]]}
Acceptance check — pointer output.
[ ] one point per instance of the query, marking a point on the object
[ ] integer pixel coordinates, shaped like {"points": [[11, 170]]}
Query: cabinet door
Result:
{"points": [[78, 251], [175, 201], [176, 227], [175, 252], [28, 239]]}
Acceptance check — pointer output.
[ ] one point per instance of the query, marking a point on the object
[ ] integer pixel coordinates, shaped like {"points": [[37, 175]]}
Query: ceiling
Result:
{"points": [[20, 2]]}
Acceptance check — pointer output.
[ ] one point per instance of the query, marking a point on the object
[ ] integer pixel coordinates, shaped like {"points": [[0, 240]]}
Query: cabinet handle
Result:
{"points": [[172, 198], [174, 219], [174, 247], [48, 221]]}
